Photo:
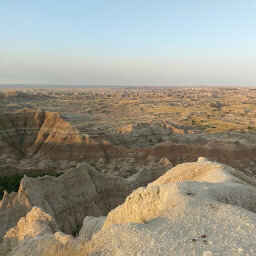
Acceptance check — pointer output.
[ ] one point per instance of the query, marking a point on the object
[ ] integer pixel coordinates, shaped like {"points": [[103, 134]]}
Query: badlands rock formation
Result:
{"points": [[42, 141], [143, 134], [238, 155], [35, 223], [199, 208], [80, 192]]}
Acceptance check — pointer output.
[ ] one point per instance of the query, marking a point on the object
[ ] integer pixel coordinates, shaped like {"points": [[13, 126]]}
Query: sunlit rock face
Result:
{"points": [[196, 208], [80, 192]]}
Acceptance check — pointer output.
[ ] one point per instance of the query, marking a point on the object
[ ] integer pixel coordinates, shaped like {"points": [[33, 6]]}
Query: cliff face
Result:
{"points": [[30, 133], [235, 154]]}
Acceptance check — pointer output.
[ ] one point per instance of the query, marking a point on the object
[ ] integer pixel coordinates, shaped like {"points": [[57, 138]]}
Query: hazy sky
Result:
{"points": [[132, 42]]}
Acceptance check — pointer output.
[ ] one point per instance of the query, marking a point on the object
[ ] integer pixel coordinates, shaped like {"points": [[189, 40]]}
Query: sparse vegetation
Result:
{"points": [[12, 183], [229, 109]]}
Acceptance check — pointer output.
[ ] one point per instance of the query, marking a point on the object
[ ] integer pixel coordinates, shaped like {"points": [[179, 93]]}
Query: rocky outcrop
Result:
{"points": [[35, 228], [80, 192], [143, 134], [35, 223], [41, 140], [198, 208]]}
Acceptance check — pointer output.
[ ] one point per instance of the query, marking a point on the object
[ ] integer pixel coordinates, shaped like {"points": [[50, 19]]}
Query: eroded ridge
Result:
{"points": [[197, 208]]}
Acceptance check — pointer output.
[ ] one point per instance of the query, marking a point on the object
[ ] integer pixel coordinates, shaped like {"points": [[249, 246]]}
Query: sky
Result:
{"points": [[135, 42]]}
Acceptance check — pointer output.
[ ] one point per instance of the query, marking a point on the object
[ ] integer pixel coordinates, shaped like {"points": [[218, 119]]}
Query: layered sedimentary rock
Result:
{"points": [[238, 155], [41, 140], [80, 192], [200, 208]]}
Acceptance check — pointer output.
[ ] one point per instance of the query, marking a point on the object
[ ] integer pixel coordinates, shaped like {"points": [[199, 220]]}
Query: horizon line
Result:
{"points": [[42, 86]]}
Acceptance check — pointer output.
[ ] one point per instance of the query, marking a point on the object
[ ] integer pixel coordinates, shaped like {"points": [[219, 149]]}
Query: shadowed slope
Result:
{"points": [[40, 139], [80, 192]]}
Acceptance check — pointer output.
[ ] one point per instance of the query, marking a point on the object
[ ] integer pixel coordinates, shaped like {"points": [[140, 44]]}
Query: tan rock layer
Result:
{"points": [[200, 208], [80, 192]]}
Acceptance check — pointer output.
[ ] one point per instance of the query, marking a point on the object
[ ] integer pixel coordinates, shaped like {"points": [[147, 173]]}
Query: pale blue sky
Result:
{"points": [[142, 42]]}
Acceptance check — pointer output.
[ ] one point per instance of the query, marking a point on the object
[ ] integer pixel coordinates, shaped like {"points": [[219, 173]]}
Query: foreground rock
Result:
{"points": [[35, 223], [200, 208], [80, 192]]}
